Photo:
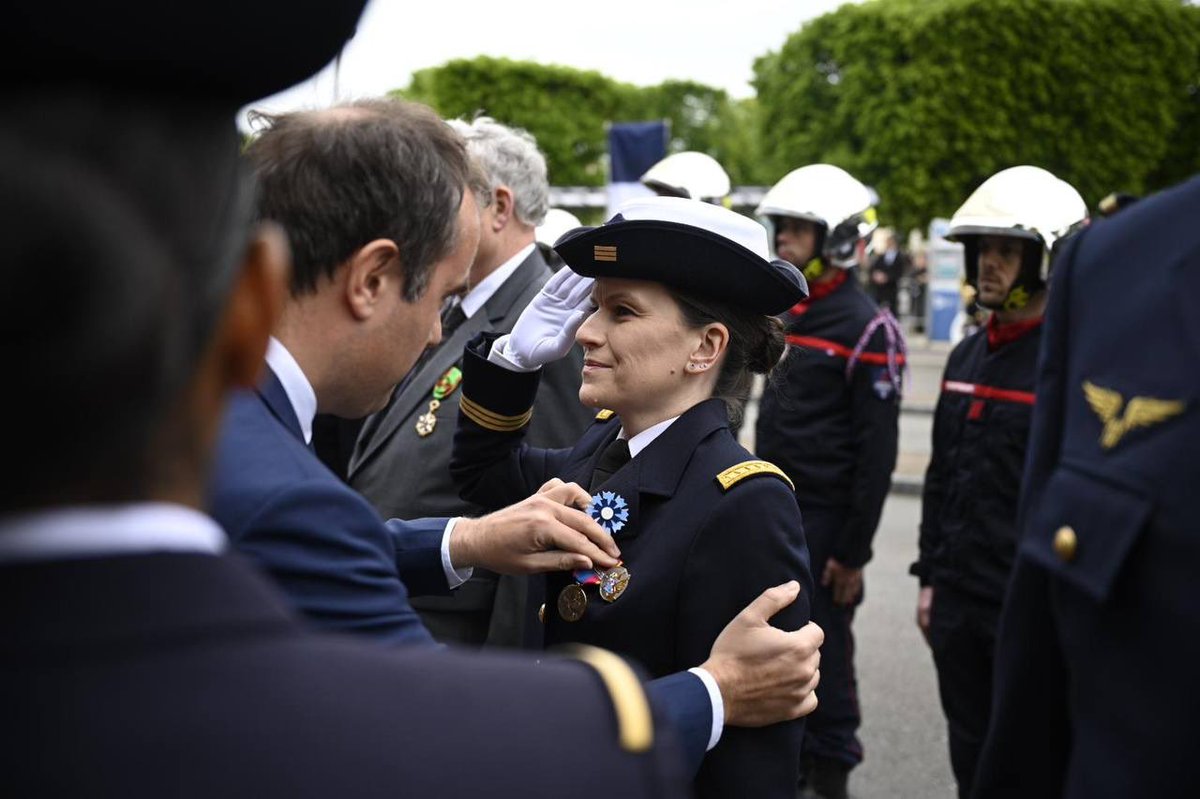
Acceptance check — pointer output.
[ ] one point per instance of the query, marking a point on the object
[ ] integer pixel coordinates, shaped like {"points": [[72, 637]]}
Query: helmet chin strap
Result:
{"points": [[814, 269], [1017, 299]]}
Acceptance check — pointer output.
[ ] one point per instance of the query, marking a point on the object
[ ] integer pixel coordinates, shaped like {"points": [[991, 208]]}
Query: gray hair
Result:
{"points": [[511, 158]]}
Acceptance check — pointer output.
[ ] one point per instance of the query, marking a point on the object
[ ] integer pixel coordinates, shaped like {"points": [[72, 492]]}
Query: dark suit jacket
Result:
{"points": [[329, 551], [697, 553], [1096, 691], [183, 675], [406, 475]]}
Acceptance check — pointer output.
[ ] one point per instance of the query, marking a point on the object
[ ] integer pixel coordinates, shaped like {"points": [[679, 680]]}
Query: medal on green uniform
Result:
{"points": [[444, 387]]}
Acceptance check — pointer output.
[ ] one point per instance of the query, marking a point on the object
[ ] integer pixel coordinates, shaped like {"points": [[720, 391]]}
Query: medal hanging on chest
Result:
{"points": [[444, 387], [611, 511]]}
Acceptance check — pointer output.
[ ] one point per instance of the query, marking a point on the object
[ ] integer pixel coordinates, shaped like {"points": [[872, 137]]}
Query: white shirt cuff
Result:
{"points": [[500, 356], [718, 705], [456, 577]]}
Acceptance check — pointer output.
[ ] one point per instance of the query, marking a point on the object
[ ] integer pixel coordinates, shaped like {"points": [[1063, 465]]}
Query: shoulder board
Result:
{"points": [[635, 727], [605, 415], [736, 474]]}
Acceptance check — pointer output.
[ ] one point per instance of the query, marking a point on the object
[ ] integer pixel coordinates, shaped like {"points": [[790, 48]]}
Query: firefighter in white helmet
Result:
{"points": [[831, 423], [691, 175], [1009, 228]]}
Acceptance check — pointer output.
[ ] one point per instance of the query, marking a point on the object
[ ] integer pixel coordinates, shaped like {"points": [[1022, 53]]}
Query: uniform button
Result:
{"points": [[542, 613], [1065, 544]]}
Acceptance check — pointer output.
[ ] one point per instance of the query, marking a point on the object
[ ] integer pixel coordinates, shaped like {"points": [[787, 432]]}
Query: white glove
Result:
{"points": [[545, 331]]}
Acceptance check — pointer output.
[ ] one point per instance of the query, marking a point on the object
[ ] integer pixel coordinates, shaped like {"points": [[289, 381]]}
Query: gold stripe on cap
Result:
{"points": [[736, 474], [493, 421], [635, 727], [604, 415], [603, 252]]}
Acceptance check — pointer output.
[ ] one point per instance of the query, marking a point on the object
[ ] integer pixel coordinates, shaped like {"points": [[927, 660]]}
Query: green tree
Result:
{"points": [[566, 109], [924, 99]]}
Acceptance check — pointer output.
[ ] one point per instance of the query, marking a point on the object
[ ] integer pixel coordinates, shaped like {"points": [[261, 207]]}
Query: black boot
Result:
{"points": [[827, 778]]}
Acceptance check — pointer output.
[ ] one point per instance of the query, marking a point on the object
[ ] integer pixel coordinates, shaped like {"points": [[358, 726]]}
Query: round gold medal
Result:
{"points": [[572, 602], [613, 583]]}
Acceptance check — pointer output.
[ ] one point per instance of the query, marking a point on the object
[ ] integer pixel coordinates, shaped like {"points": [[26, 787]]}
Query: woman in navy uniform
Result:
{"points": [[683, 296], [968, 539]]}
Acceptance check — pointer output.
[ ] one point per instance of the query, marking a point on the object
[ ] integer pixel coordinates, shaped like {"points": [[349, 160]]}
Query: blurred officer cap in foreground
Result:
{"points": [[221, 50]]}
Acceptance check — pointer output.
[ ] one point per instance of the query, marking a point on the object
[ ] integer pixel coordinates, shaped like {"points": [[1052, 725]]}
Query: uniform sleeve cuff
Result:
{"points": [[503, 357], [454, 577], [718, 706]]}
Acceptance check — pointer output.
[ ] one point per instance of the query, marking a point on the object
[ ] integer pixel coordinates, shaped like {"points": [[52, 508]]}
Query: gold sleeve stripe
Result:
{"points": [[605, 415], [635, 727], [493, 421], [736, 474]]}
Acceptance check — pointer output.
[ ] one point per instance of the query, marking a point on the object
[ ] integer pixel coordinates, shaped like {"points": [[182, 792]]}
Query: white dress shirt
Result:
{"points": [[479, 294], [96, 531], [304, 403]]}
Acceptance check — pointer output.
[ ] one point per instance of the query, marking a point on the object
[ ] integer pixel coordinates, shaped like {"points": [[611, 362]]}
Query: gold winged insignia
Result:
{"points": [[1139, 412]]}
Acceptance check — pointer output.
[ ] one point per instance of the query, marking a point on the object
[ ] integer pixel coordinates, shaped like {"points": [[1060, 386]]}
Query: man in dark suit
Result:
{"points": [[886, 270], [349, 333], [375, 198], [1095, 692], [402, 460], [138, 658]]}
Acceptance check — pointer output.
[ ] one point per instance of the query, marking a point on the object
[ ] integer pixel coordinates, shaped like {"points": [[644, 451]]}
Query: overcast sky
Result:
{"points": [[639, 41]]}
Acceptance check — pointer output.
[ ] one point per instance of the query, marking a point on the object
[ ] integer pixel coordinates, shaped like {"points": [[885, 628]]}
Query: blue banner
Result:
{"points": [[633, 147]]}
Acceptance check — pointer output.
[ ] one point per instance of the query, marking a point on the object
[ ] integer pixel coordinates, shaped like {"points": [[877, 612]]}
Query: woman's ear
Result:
{"points": [[714, 338]]}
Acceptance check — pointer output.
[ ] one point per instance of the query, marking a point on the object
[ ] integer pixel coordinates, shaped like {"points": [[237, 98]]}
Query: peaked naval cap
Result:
{"points": [[689, 246]]}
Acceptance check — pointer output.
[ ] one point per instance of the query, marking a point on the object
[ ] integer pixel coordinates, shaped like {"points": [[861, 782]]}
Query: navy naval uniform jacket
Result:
{"points": [[186, 675], [697, 553], [835, 436], [1096, 668], [336, 560]]}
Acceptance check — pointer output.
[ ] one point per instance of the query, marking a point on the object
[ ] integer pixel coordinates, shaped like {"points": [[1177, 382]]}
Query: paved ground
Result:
{"points": [[903, 733]]}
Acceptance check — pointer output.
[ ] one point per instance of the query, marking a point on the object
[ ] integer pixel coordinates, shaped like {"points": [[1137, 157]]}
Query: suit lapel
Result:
{"points": [[497, 313], [271, 392]]}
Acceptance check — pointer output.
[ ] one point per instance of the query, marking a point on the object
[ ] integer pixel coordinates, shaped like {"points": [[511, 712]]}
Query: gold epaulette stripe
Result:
{"points": [[736, 474], [635, 726], [604, 415], [493, 421]]}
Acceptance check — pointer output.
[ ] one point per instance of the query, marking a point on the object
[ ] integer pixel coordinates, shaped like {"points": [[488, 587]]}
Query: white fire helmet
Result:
{"points": [[692, 175], [556, 223], [841, 206], [1025, 202]]}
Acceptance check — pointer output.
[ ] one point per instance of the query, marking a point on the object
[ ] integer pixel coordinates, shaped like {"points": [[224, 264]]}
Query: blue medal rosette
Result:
{"points": [[611, 511]]}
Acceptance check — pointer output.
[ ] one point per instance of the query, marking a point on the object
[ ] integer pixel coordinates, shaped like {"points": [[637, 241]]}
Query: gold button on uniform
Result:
{"points": [[542, 613], [1065, 544]]}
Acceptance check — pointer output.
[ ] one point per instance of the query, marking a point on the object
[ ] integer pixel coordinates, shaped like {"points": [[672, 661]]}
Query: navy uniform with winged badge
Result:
{"points": [[703, 527], [1099, 638]]}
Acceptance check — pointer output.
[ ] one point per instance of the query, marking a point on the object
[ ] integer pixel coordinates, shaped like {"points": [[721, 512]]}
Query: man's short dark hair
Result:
{"points": [[375, 169], [123, 227]]}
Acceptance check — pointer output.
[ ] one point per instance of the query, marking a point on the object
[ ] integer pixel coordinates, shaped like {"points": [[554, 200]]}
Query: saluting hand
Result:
{"points": [[545, 331], [546, 532]]}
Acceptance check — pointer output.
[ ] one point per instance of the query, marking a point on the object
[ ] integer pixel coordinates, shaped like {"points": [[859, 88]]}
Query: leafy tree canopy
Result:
{"points": [[924, 99], [566, 110]]}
